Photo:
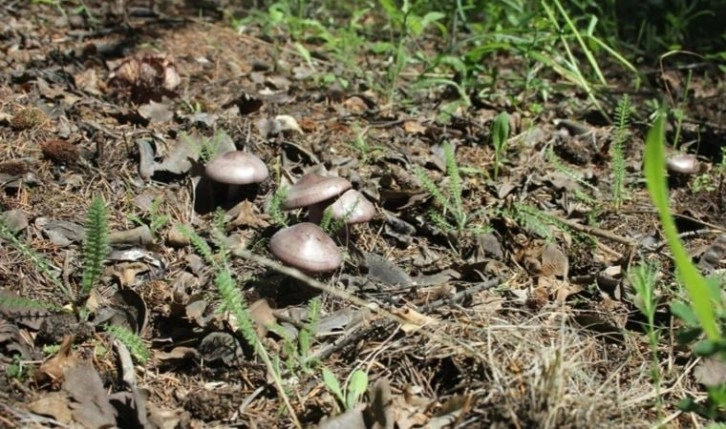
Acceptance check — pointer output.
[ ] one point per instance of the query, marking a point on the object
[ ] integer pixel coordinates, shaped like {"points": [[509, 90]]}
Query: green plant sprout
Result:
{"points": [[500, 136], [134, 343], [95, 246], [154, 219], [278, 216], [297, 351], [234, 302], [355, 388], [208, 147], [365, 150], [453, 214], [687, 272], [622, 119], [643, 280]]}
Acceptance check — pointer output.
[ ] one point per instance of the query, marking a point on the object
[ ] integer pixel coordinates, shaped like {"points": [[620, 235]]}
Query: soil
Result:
{"points": [[523, 317]]}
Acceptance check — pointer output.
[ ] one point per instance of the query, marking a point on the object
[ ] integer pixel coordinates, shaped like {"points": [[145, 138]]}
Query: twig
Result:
{"points": [[436, 337], [351, 337], [599, 232], [461, 295]]}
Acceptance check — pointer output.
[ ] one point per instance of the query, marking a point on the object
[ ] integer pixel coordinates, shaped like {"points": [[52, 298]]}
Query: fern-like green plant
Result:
{"points": [[95, 251], [132, 341], [155, 220], [617, 150], [297, 350], [40, 262], [95, 245], [453, 214], [278, 216], [233, 301]]}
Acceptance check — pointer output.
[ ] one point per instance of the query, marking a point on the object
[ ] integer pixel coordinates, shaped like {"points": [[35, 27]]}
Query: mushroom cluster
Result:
{"points": [[317, 192], [306, 246]]}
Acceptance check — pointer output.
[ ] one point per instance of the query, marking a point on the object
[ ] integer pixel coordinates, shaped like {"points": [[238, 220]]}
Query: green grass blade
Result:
{"points": [[688, 274]]}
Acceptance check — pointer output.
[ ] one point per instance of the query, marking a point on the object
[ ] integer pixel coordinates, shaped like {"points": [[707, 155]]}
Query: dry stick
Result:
{"points": [[462, 295], [339, 293], [602, 233]]}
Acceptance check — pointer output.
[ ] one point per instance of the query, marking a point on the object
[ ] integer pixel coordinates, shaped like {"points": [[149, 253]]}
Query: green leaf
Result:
{"points": [[333, 385], [688, 274], [500, 131], [687, 336], [709, 347], [430, 18], [684, 312], [357, 386]]}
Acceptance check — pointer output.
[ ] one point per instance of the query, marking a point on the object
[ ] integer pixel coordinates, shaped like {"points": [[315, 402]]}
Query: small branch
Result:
{"points": [[436, 337]]}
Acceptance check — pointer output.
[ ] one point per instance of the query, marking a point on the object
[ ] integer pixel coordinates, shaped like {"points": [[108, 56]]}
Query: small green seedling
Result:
{"points": [[500, 135], [355, 389]]}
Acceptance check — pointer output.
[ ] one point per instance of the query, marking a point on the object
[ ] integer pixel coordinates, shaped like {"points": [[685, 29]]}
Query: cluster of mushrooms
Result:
{"points": [[304, 246]]}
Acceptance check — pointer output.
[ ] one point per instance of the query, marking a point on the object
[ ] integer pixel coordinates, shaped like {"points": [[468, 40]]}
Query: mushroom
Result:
{"points": [[682, 163], [352, 207], [305, 246], [313, 191], [236, 168], [681, 167]]}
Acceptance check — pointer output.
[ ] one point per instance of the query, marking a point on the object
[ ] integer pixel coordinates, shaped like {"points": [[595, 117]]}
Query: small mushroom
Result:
{"points": [[236, 168], [353, 207], [313, 191], [305, 246], [682, 163]]}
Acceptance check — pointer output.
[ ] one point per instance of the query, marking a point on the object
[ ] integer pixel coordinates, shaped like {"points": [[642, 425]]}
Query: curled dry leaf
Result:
{"points": [[261, 313], [554, 262], [145, 78], [413, 319], [53, 369]]}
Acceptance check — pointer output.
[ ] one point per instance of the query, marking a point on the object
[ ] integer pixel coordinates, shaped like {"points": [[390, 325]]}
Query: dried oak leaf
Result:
{"points": [[54, 368], [145, 78]]}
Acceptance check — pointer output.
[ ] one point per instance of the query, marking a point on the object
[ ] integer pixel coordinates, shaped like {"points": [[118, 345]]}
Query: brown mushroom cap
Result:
{"points": [[353, 207], [682, 163], [237, 168], [306, 246], [314, 188]]}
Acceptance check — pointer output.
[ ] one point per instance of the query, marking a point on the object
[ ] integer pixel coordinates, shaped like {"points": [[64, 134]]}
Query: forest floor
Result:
{"points": [[508, 304]]}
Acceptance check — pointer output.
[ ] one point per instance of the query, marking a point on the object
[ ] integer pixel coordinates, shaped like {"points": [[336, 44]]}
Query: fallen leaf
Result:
{"points": [[90, 402], [53, 369], [263, 316], [554, 262], [413, 319], [246, 214], [156, 112], [414, 127], [54, 405]]}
